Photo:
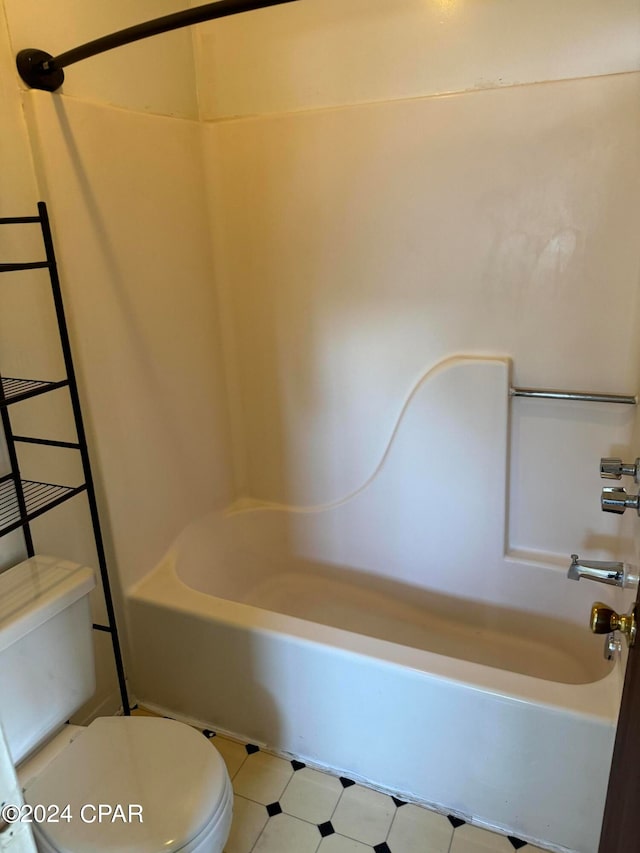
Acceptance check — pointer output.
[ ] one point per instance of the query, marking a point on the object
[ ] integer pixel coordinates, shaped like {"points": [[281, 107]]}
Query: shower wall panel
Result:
{"points": [[130, 223], [355, 247], [323, 53]]}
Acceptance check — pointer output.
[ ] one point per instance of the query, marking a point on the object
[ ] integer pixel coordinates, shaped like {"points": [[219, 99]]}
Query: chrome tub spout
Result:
{"points": [[596, 570]]}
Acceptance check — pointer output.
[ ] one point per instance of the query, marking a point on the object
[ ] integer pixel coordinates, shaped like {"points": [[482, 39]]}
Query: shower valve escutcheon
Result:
{"points": [[617, 500]]}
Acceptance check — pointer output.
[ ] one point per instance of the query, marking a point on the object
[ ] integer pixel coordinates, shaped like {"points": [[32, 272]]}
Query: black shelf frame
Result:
{"points": [[22, 501]]}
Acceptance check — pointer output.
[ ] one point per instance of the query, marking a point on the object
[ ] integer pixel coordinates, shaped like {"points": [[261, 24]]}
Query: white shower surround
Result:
{"points": [[331, 633]]}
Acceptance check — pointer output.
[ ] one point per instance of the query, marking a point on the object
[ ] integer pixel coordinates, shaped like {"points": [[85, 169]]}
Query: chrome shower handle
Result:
{"points": [[612, 468], [617, 500]]}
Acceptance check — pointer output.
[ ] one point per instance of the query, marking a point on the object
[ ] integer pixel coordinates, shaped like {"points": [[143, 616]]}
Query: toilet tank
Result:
{"points": [[46, 649]]}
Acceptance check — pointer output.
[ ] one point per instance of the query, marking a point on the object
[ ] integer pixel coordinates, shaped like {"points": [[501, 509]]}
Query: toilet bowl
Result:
{"points": [[135, 784]]}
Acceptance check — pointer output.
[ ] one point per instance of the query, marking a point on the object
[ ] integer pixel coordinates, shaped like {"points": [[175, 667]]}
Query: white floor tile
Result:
{"points": [[417, 830], [233, 753], [340, 844], [262, 778], [286, 834], [364, 815], [471, 839], [311, 795], [249, 820]]}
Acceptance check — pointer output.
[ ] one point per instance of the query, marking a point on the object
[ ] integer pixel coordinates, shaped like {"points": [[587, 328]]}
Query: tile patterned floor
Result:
{"points": [[283, 806]]}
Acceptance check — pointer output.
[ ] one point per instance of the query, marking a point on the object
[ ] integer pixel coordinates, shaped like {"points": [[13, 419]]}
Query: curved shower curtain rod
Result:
{"points": [[41, 70]]}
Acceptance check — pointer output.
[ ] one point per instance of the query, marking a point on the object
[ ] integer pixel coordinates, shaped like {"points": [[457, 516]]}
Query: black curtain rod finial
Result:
{"points": [[31, 67]]}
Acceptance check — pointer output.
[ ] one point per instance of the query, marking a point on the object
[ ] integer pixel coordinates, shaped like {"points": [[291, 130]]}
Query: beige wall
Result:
{"points": [[18, 193]]}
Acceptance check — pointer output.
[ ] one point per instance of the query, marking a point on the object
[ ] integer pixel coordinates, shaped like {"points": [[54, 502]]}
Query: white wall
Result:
{"points": [[355, 246]]}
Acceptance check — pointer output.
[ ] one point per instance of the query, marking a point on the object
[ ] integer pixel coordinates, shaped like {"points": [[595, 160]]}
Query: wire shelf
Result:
{"points": [[15, 390], [38, 498]]}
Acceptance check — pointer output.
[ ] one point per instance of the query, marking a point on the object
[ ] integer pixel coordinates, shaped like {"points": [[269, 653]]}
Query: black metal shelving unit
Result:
{"points": [[22, 501]]}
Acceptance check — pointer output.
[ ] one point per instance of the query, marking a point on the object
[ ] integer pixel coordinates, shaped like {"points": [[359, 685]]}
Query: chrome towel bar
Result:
{"points": [[540, 393]]}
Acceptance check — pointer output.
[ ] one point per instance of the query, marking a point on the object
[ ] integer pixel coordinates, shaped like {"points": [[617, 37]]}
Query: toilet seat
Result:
{"points": [[166, 767]]}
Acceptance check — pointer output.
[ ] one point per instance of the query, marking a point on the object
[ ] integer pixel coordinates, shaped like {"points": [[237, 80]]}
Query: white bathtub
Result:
{"points": [[366, 638]]}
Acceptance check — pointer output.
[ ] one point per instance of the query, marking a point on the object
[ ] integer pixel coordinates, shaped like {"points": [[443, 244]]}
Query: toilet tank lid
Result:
{"points": [[37, 589]]}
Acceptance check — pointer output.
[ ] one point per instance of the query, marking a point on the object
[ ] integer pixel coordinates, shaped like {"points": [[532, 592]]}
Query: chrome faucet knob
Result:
{"points": [[614, 469], [617, 500]]}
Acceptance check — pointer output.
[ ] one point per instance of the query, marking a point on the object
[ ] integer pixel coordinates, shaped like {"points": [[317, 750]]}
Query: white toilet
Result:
{"points": [[169, 781]]}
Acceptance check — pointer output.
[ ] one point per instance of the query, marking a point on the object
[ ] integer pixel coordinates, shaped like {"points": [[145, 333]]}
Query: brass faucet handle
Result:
{"points": [[605, 620], [602, 617]]}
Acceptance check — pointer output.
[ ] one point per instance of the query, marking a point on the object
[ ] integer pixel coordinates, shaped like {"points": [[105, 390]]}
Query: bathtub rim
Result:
{"points": [[597, 700]]}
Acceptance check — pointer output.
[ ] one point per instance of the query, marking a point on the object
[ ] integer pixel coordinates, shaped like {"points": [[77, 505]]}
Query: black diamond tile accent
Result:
{"points": [[516, 842], [326, 828], [208, 733], [273, 809], [398, 801], [298, 765], [455, 821], [382, 848], [346, 783], [251, 748]]}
